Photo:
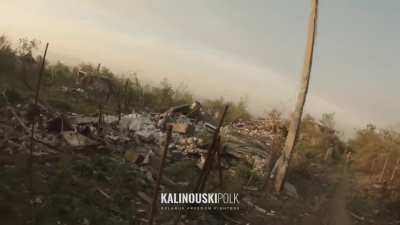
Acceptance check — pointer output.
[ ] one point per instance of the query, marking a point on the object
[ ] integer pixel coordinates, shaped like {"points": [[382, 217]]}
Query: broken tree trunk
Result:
{"points": [[283, 162]]}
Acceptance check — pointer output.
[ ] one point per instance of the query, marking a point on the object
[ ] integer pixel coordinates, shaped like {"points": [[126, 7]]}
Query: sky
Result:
{"points": [[231, 48]]}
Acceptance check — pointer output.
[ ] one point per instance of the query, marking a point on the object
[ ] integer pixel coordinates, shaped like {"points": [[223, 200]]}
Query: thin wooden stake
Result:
{"points": [[119, 112], [395, 170], [98, 68], [210, 155], [160, 173], [220, 176], [100, 120], [211, 151], [383, 169], [32, 144], [36, 106]]}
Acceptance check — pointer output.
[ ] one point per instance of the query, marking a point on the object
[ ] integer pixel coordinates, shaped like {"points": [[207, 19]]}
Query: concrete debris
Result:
{"points": [[77, 119], [182, 128], [243, 147], [59, 124], [290, 190], [148, 156], [136, 138], [200, 163], [141, 125], [77, 140], [250, 188]]}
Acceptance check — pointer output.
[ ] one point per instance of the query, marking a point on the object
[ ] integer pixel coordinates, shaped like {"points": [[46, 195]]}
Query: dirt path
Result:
{"points": [[338, 214], [332, 210]]}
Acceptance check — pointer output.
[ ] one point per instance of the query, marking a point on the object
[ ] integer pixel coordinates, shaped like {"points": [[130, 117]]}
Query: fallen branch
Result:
{"points": [[12, 110], [254, 206], [230, 219], [104, 194], [357, 216], [47, 144]]}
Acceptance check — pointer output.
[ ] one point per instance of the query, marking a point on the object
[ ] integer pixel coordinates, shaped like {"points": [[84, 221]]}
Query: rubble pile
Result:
{"points": [[261, 128], [258, 141], [131, 141]]}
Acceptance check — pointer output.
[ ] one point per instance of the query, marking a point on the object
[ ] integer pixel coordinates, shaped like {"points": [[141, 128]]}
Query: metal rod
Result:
{"points": [[160, 173]]}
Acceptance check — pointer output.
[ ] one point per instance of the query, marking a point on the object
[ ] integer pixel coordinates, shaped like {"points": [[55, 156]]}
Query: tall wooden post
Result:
{"points": [[283, 162]]}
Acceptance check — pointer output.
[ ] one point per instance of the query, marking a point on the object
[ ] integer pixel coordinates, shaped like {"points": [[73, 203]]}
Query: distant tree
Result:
{"points": [[27, 47], [7, 55], [165, 95], [328, 120], [237, 111], [182, 95], [106, 72], [88, 68], [60, 74]]}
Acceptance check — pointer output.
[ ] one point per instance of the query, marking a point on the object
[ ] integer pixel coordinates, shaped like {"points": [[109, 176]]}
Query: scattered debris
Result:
{"points": [[134, 141], [257, 208], [145, 197], [134, 157], [75, 139], [182, 128], [290, 190], [104, 194]]}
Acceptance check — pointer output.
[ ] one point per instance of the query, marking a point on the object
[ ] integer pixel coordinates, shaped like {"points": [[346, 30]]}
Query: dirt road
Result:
{"points": [[333, 211], [338, 213]]}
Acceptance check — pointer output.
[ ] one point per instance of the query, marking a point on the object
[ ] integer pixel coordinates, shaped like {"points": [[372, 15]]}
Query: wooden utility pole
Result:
{"points": [[283, 161]]}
